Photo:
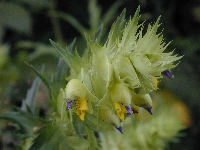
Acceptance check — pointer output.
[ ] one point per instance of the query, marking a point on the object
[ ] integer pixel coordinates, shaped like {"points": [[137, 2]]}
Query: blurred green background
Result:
{"points": [[26, 27]]}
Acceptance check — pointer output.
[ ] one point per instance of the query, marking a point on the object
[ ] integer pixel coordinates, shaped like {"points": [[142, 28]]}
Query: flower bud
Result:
{"points": [[121, 93], [143, 101], [110, 117]]}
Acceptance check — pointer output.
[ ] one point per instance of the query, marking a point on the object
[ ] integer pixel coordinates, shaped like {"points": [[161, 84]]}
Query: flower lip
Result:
{"points": [[68, 104], [81, 108], [129, 109], [120, 110], [119, 129], [168, 73]]}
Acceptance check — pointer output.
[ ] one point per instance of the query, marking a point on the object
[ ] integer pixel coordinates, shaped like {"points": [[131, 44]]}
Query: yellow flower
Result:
{"points": [[76, 91], [81, 108], [120, 110]]}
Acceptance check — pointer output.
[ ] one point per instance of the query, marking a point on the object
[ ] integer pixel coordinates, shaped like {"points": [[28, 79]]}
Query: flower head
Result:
{"points": [[117, 77]]}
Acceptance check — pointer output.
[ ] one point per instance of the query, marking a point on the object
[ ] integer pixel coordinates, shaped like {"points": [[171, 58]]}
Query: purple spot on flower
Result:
{"points": [[119, 129], [68, 104], [129, 110], [149, 110], [168, 73]]}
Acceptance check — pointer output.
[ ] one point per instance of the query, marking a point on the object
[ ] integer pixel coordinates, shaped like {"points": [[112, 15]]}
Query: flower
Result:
{"points": [[76, 91]]}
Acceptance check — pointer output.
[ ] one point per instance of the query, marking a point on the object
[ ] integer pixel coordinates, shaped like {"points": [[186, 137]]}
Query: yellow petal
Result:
{"points": [[81, 107], [135, 111], [120, 110], [83, 104], [155, 82], [82, 115]]}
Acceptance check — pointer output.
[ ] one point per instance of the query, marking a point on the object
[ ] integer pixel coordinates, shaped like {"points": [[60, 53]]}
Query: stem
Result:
{"points": [[55, 22]]}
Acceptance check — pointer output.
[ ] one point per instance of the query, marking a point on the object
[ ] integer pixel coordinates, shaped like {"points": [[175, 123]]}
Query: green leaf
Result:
{"points": [[25, 121], [75, 62], [15, 17], [42, 78], [146, 83], [64, 54], [125, 72], [94, 15], [60, 72], [78, 126], [108, 16], [98, 34], [70, 19], [71, 46], [31, 95], [49, 138], [92, 139], [116, 30]]}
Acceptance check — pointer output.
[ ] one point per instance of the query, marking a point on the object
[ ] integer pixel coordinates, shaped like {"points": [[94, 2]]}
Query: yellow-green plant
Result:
{"points": [[110, 81], [107, 84]]}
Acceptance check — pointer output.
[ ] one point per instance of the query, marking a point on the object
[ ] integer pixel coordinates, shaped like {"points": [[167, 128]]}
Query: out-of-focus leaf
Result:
{"points": [[2, 31], [70, 19], [15, 17], [52, 87], [60, 71], [42, 78], [25, 121], [49, 138], [36, 3], [108, 16], [30, 97], [78, 126], [40, 49], [3, 54], [95, 13], [196, 13], [92, 139]]}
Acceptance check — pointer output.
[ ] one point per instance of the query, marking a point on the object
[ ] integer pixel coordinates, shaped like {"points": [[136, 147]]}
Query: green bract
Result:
{"points": [[129, 58]]}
